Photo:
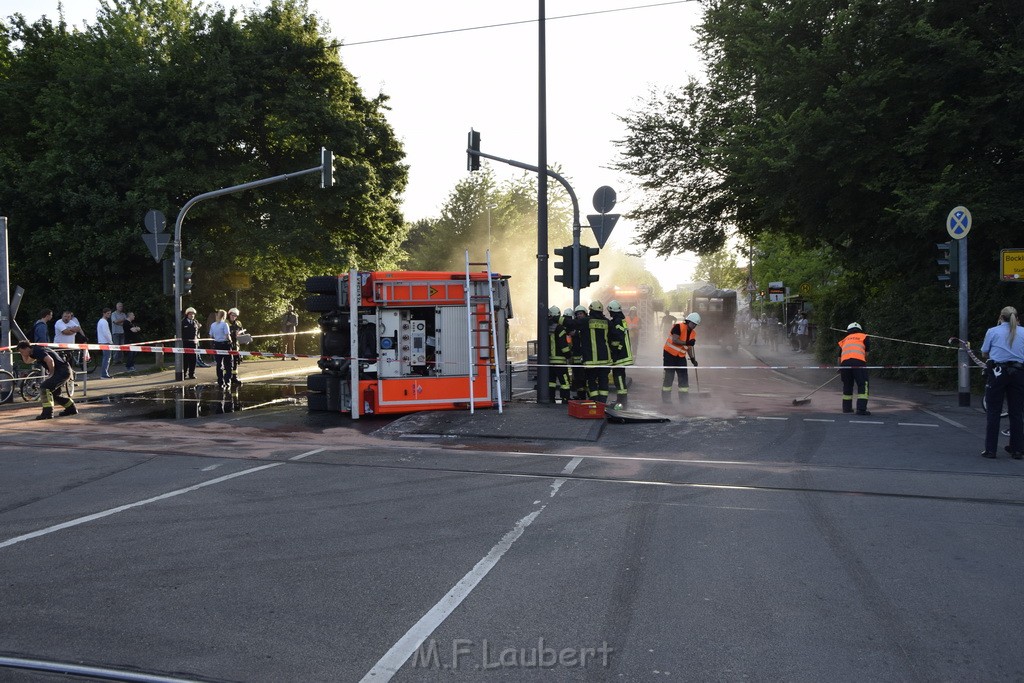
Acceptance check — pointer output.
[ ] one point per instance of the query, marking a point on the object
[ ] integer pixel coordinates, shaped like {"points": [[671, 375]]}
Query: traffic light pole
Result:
{"points": [[179, 279]]}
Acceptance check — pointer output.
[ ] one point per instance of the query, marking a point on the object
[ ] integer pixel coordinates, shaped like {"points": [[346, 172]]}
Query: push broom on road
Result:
{"points": [[807, 399]]}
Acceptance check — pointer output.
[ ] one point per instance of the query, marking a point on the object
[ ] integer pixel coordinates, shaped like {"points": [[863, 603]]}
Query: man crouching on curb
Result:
{"points": [[57, 373]]}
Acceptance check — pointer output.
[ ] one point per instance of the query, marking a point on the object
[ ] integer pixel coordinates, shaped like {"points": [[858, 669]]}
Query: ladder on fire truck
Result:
{"points": [[481, 327]]}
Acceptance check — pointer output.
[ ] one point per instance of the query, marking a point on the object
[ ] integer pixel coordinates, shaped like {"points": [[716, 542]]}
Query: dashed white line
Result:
{"points": [[393, 659], [129, 506], [916, 424], [815, 419], [760, 417], [300, 456], [388, 665]]}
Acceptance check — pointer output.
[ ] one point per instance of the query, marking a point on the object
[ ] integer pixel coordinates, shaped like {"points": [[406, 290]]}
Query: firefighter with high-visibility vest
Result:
{"points": [[597, 355], [560, 353], [577, 330], [633, 325], [621, 347], [853, 356], [678, 347]]}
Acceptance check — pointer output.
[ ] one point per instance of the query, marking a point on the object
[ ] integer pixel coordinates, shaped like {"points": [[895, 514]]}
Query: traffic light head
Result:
{"points": [[186, 276], [564, 264], [588, 266], [326, 168], [473, 151], [949, 264]]}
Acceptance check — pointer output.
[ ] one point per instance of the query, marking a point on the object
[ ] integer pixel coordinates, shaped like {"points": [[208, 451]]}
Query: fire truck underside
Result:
{"points": [[405, 341]]}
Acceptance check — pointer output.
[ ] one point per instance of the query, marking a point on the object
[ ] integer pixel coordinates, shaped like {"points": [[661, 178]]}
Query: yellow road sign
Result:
{"points": [[1012, 265], [237, 279]]}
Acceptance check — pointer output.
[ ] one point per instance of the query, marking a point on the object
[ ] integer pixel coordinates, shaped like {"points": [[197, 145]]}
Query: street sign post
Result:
{"points": [[958, 224]]}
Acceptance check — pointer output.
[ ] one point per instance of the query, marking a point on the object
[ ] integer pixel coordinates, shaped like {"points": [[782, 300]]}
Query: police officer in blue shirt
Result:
{"points": [[1004, 349]]}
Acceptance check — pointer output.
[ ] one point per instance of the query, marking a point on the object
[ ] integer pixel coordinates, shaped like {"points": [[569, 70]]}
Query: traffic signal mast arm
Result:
{"points": [[473, 152]]}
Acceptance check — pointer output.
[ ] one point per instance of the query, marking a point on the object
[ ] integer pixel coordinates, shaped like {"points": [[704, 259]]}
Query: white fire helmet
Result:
{"points": [[614, 306], [854, 326], [693, 318], [554, 310]]}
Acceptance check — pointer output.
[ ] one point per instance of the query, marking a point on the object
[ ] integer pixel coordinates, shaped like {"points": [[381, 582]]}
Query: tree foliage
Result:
{"points": [[159, 101], [849, 125]]}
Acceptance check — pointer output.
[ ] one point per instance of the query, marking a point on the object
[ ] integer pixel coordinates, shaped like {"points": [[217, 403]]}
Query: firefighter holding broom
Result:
{"points": [[678, 347], [853, 356]]}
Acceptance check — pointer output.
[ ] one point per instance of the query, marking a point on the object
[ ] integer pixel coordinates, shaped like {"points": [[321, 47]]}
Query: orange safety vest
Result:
{"points": [[853, 347], [633, 321], [686, 336]]}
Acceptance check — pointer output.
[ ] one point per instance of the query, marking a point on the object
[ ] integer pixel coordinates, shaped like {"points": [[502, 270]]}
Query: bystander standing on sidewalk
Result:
{"points": [[132, 332], [104, 336], [117, 318], [289, 326], [41, 328]]}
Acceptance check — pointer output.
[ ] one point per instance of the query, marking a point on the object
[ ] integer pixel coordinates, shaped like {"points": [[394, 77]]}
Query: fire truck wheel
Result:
{"points": [[317, 382], [321, 303], [322, 284]]}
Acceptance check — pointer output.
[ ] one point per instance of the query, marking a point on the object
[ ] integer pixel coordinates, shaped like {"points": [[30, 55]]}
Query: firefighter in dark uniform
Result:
{"points": [[560, 352], [57, 373], [597, 355], [853, 356], [621, 346], [678, 347], [577, 328]]}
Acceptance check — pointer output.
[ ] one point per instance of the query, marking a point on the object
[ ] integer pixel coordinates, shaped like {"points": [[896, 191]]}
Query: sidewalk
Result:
{"points": [[148, 376]]}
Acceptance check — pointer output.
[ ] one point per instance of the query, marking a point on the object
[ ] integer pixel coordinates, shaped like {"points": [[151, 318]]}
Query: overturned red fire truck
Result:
{"points": [[405, 341]]}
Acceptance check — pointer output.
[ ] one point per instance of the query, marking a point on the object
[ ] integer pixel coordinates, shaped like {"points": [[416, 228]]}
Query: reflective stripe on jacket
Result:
{"points": [[619, 342], [595, 340], [685, 334], [854, 347]]}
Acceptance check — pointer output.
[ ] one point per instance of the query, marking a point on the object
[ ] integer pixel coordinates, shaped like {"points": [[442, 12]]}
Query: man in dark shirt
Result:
{"points": [[41, 330], [57, 373]]}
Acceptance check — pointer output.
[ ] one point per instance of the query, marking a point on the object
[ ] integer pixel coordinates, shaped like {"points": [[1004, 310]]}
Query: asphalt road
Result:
{"points": [[745, 539]]}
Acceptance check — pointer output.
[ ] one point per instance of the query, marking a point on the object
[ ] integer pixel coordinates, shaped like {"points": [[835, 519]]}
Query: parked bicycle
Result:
{"points": [[32, 384]]}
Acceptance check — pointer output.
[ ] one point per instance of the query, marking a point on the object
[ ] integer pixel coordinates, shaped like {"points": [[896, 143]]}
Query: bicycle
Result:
{"points": [[32, 384], [7, 382]]}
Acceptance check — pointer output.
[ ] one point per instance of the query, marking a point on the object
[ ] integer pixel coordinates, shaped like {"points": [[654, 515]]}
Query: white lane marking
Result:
{"points": [[393, 659], [211, 467], [866, 422], [300, 456], [129, 506], [944, 419], [815, 419], [568, 469], [916, 424], [759, 417]]}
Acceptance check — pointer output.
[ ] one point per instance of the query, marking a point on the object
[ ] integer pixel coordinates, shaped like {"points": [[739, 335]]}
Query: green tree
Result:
{"points": [[157, 102], [721, 269], [852, 125]]}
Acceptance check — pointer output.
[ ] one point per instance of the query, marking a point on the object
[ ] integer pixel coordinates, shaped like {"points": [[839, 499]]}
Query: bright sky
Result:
{"points": [[601, 63]]}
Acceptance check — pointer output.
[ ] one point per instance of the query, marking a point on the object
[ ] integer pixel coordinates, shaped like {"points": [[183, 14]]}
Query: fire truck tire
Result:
{"points": [[321, 303], [322, 284], [317, 382], [316, 402]]}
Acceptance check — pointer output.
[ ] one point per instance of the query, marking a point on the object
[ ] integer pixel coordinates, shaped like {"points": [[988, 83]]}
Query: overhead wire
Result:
{"points": [[513, 23]]}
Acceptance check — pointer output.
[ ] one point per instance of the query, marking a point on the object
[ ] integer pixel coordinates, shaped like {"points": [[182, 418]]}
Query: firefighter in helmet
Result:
{"points": [[633, 325], [560, 352], [621, 346], [678, 347], [597, 355], [853, 356], [577, 330]]}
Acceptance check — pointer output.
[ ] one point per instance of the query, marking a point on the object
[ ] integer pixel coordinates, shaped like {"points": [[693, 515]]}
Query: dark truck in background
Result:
{"points": [[717, 308]]}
